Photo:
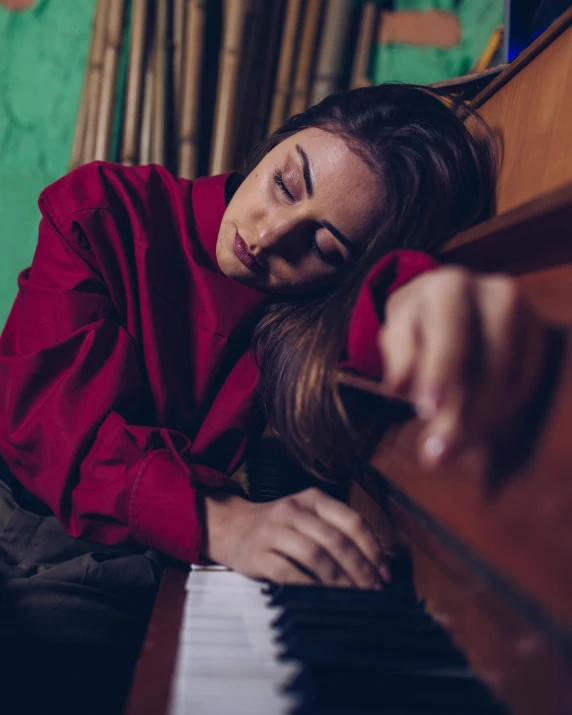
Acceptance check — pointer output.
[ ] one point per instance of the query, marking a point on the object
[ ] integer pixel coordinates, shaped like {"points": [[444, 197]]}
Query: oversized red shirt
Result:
{"points": [[125, 373]]}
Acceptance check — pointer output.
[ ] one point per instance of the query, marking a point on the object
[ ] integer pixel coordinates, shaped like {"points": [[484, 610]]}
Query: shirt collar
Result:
{"points": [[209, 205], [230, 301]]}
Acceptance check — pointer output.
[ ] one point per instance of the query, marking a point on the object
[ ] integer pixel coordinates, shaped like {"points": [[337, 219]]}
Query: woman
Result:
{"points": [[128, 373]]}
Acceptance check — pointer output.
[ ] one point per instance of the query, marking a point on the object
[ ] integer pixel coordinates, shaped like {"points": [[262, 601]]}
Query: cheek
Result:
{"points": [[304, 278]]}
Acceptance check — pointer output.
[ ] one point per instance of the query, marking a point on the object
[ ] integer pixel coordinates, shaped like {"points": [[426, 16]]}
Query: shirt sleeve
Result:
{"points": [[390, 273], [74, 411]]}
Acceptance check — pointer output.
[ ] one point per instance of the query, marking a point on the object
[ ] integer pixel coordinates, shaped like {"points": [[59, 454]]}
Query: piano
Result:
{"points": [[479, 617]]}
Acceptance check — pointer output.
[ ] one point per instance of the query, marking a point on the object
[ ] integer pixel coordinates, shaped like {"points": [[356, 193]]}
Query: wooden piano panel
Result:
{"points": [[492, 543], [511, 653], [532, 117]]}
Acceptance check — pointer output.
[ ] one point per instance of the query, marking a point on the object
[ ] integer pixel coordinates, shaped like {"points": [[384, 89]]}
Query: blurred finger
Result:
{"points": [[349, 558], [397, 341], [313, 557], [350, 524], [279, 569], [446, 374]]}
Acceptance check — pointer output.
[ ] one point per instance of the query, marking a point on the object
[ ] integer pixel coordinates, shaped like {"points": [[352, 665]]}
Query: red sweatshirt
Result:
{"points": [[124, 378]]}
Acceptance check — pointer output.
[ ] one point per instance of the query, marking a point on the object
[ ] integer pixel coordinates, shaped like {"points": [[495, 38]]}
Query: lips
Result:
{"points": [[243, 255]]}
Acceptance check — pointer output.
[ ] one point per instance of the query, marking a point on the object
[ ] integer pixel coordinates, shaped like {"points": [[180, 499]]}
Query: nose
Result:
{"points": [[279, 232]]}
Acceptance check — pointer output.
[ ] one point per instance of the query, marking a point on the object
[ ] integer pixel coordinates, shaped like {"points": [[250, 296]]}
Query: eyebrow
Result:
{"points": [[310, 191], [306, 170]]}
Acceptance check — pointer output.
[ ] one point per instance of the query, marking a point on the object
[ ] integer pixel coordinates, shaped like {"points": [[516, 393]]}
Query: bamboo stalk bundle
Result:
{"points": [[260, 121], [364, 44], [81, 121], [188, 124], [113, 36], [133, 102], [230, 59], [302, 78], [285, 64], [331, 51], [160, 79], [177, 87], [95, 72], [179, 13]]}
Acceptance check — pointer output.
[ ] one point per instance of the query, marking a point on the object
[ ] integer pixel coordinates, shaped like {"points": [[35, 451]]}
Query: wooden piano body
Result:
{"points": [[491, 545]]}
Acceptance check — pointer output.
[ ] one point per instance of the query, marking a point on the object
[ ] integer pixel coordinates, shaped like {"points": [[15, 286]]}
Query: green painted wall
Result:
{"points": [[423, 65], [42, 58]]}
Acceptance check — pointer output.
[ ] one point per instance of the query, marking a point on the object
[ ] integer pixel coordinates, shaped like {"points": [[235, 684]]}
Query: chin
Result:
{"points": [[232, 267], [225, 260]]}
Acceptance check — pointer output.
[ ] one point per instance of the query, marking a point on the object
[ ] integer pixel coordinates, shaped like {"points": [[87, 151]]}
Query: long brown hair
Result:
{"points": [[437, 179]]}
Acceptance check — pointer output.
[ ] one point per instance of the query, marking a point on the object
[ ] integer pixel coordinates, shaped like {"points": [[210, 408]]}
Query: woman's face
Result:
{"points": [[297, 221]]}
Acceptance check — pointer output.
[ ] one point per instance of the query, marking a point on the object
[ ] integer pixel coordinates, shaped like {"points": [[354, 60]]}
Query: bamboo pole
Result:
{"points": [[363, 49], [133, 102], [188, 125], [225, 114], [331, 50], [285, 65], [269, 70], [300, 91], [160, 82], [94, 81], [110, 60], [81, 121], [179, 12], [252, 65], [146, 136]]}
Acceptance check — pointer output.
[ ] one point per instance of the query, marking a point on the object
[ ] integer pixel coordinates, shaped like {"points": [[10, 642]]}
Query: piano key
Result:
{"points": [[261, 649]]}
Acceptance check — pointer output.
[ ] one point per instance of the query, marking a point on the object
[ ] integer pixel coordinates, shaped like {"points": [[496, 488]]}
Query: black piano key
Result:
{"points": [[435, 692], [294, 618], [343, 596], [373, 611], [381, 630], [372, 651], [395, 658]]}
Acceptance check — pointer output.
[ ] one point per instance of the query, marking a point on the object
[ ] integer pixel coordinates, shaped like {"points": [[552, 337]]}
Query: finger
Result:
{"points": [[495, 371], [513, 341], [349, 523], [279, 569], [445, 341], [311, 556], [497, 305], [347, 556], [445, 374], [397, 342]]}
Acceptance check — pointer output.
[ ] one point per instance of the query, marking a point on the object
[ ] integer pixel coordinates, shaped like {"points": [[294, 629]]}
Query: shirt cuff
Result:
{"points": [[390, 273], [163, 511]]}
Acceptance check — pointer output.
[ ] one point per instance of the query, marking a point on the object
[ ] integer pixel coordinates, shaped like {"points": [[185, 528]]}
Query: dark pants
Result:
{"points": [[72, 616]]}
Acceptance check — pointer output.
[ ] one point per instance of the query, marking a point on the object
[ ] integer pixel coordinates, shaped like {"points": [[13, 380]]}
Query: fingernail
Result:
{"points": [[385, 573], [434, 448]]}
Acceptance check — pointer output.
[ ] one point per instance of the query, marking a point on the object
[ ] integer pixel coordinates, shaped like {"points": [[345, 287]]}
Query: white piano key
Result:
{"points": [[227, 659]]}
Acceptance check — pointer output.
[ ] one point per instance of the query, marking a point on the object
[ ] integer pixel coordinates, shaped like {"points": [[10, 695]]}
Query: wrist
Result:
{"points": [[222, 512]]}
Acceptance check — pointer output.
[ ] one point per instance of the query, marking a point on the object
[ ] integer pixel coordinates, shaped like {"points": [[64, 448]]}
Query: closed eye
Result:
{"points": [[279, 181], [335, 259]]}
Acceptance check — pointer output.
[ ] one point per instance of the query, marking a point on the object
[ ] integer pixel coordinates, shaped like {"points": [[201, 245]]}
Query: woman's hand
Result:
{"points": [[466, 350], [306, 538]]}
